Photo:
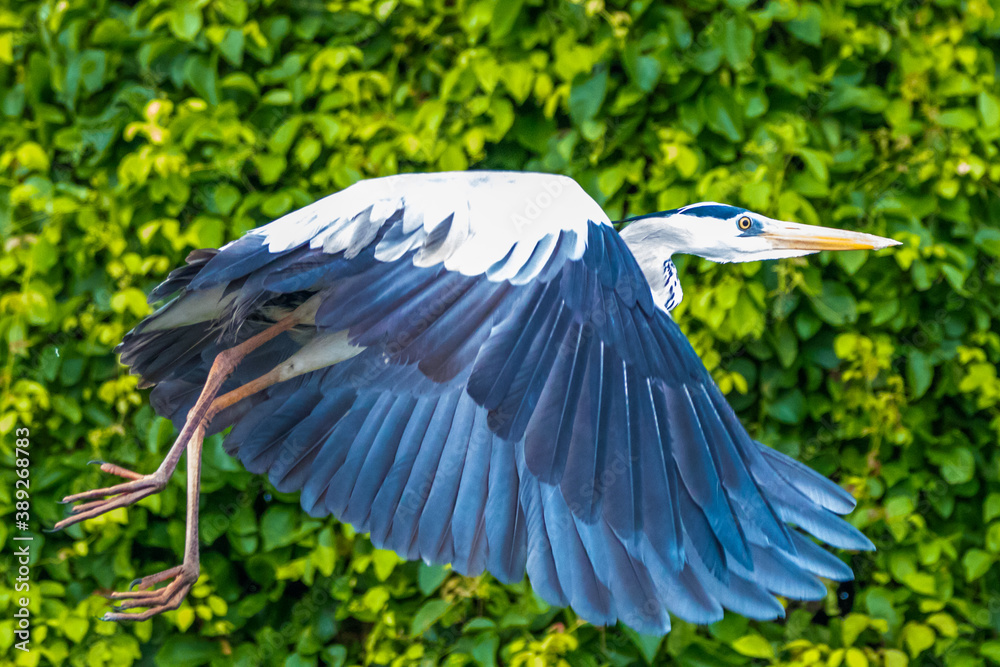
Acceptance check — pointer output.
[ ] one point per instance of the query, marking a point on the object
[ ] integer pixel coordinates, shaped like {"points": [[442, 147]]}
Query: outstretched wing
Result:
{"points": [[521, 403]]}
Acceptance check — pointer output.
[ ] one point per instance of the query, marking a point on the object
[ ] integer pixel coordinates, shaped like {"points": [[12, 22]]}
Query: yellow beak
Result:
{"points": [[795, 236]]}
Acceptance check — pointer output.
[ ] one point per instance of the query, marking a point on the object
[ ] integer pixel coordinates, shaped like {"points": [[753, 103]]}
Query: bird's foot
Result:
{"points": [[112, 497], [155, 601]]}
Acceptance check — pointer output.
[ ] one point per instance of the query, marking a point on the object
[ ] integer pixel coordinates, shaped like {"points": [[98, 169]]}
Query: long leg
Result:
{"points": [[183, 576], [323, 351], [127, 493]]}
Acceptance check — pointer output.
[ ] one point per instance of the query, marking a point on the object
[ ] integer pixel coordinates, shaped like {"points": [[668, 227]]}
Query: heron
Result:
{"points": [[477, 369]]}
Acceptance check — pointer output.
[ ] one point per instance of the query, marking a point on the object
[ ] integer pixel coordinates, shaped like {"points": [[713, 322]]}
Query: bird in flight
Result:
{"points": [[476, 368]]}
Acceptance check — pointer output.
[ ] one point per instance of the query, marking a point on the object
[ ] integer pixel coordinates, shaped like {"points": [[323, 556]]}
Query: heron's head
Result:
{"points": [[724, 233]]}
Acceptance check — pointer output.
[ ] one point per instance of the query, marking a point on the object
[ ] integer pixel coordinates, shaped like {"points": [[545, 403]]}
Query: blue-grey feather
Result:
{"points": [[435, 520], [413, 499], [698, 472], [180, 278], [343, 481], [737, 593], [578, 580], [468, 522], [547, 442], [463, 327], [392, 510], [531, 379], [821, 523], [294, 466], [506, 534], [585, 459], [378, 460], [658, 479], [540, 562], [502, 355], [749, 502], [332, 455], [819, 561], [240, 258], [778, 573], [810, 483]]}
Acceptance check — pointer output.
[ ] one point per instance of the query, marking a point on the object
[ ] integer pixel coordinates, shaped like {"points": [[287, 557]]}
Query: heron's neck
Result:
{"points": [[654, 260], [671, 292]]}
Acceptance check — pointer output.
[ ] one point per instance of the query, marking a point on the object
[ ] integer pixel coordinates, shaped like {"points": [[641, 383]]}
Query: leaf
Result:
{"points": [[919, 373], [185, 21], [944, 624], [991, 650], [428, 615], [200, 73], [278, 97], [505, 14], [989, 109], [184, 651], [485, 650], [989, 240], [977, 563], [790, 408], [961, 119], [835, 304], [231, 47], [868, 98], [269, 166], [737, 44], [991, 507], [643, 70], [816, 163], [753, 646], [807, 26], [918, 638], [92, 65], [225, 197], [786, 345], [306, 151], [384, 562], [585, 99], [723, 116], [648, 645], [429, 577], [853, 626], [958, 465], [278, 526]]}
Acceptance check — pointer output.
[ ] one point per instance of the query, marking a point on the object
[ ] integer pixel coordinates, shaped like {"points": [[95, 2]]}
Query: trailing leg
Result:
{"points": [[140, 486]]}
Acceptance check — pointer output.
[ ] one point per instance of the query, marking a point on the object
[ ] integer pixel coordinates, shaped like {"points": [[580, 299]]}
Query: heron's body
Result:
{"points": [[483, 372]]}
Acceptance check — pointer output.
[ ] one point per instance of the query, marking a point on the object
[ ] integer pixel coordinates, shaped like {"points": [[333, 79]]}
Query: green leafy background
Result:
{"points": [[131, 134]]}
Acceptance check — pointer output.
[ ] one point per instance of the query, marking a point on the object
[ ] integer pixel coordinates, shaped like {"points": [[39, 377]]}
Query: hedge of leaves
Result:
{"points": [[132, 133]]}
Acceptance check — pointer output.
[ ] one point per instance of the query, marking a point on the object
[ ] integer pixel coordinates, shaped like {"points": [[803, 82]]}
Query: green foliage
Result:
{"points": [[131, 133]]}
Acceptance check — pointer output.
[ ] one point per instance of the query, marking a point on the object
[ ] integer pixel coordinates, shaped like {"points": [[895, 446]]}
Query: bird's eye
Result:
{"points": [[744, 222]]}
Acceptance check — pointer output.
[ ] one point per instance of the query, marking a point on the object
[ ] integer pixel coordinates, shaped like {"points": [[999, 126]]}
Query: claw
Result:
{"points": [[135, 582], [100, 501], [96, 462], [156, 601]]}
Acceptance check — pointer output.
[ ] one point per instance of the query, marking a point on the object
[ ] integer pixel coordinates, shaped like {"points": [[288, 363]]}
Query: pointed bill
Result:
{"points": [[796, 236]]}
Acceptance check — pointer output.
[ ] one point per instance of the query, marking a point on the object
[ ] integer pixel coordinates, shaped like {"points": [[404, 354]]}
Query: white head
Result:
{"points": [[724, 233]]}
